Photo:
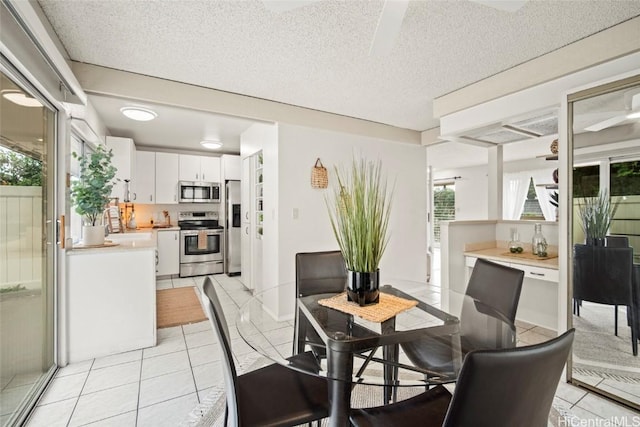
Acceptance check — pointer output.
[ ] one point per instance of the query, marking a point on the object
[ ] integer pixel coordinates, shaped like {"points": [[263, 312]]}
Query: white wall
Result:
{"points": [[298, 149]]}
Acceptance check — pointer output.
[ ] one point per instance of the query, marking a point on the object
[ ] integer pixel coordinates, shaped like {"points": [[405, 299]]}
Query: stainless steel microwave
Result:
{"points": [[198, 192]]}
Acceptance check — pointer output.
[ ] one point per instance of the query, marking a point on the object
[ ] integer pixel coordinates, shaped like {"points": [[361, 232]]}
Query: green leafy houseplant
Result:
{"points": [[91, 193], [596, 214], [359, 213]]}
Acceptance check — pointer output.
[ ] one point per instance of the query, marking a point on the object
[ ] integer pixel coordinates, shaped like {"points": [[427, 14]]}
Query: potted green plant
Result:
{"points": [[359, 210], [90, 194], [596, 214]]}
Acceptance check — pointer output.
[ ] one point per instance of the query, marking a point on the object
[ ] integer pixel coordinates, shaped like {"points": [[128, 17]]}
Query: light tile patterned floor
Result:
{"points": [[159, 386]]}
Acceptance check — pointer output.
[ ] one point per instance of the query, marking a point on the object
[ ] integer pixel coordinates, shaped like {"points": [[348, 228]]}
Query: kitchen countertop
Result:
{"points": [[123, 245], [498, 254]]}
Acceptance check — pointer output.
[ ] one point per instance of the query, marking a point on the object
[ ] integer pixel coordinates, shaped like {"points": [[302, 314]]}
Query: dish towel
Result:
{"points": [[202, 239]]}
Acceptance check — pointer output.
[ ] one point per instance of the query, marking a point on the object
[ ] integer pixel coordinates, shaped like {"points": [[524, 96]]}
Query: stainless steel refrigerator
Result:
{"points": [[232, 229]]}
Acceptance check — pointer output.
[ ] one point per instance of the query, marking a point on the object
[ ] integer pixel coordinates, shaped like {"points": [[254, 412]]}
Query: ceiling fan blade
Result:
{"points": [[280, 6], [606, 123], [504, 5], [389, 25]]}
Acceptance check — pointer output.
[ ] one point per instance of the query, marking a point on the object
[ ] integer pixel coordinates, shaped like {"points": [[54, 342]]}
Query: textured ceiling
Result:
{"points": [[316, 56]]}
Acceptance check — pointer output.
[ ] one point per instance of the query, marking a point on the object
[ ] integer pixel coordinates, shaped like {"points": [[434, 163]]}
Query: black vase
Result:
{"points": [[595, 241], [362, 287]]}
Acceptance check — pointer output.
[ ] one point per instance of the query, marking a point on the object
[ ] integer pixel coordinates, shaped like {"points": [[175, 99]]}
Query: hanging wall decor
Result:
{"points": [[319, 177]]}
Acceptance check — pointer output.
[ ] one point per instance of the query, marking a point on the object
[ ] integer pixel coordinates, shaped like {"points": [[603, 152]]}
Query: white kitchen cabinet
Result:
{"points": [[167, 165], [143, 188], [110, 301], [538, 298], [124, 160], [199, 168], [168, 253], [231, 167], [247, 241], [210, 169]]}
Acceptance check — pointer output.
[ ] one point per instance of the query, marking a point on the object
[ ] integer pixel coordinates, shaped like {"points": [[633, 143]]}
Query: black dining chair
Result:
{"points": [[496, 388], [617, 242], [316, 273], [494, 289], [605, 275], [274, 395]]}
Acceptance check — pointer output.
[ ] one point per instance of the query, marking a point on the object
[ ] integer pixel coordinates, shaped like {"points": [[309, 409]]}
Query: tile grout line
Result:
{"points": [[193, 376], [140, 385], [80, 394]]}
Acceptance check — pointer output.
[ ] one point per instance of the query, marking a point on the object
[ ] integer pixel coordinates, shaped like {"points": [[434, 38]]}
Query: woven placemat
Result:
{"points": [[387, 307]]}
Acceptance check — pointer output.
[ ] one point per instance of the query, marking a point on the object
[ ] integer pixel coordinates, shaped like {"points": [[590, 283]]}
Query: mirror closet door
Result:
{"points": [[604, 296]]}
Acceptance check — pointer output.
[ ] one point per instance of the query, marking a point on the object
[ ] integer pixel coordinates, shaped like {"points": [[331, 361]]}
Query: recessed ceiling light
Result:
{"points": [[211, 144], [20, 98], [138, 113], [635, 115]]}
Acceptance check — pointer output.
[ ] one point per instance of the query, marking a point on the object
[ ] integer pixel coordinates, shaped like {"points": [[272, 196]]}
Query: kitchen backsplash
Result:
{"points": [[144, 213]]}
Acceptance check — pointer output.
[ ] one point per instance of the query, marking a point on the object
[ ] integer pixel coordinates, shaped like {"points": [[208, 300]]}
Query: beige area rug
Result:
{"points": [[596, 349], [178, 306]]}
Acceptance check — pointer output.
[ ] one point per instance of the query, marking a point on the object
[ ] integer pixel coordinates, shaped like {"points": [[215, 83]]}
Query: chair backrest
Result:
{"points": [[219, 323], [617, 241], [320, 272], [496, 285], [509, 387], [603, 274]]}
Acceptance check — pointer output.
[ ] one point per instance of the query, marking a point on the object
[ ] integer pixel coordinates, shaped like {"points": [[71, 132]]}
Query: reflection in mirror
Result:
{"points": [[605, 291]]}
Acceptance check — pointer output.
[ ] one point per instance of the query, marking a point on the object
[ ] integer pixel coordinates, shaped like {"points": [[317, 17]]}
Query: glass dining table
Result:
{"points": [[354, 352]]}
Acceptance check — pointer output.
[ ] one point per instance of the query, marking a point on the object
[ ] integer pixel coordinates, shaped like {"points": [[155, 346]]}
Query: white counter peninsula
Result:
{"points": [[463, 242], [111, 297]]}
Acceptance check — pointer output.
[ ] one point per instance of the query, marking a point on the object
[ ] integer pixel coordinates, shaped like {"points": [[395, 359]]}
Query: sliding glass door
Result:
{"points": [[604, 296], [27, 245]]}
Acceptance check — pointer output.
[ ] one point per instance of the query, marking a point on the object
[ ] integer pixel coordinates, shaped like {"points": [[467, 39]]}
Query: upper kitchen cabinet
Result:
{"points": [[199, 168], [124, 160], [144, 183], [167, 166], [231, 167]]}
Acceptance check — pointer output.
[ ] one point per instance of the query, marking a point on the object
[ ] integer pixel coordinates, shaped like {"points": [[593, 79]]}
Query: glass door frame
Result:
{"points": [[52, 256], [628, 80]]}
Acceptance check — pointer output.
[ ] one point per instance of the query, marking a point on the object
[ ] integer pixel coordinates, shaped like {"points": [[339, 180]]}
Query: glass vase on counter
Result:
{"points": [[539, 242], [515, 245]]}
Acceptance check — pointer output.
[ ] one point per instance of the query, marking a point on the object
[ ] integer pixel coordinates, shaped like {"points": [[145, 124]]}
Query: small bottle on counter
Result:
{"points": [[538, 242]]}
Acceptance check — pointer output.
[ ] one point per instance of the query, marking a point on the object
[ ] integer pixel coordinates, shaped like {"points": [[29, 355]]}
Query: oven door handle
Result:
{"points": [[196, 232]]}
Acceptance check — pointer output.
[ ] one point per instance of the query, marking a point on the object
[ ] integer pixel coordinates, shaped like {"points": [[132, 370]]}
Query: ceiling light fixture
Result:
{"points": [[20, 98], [635, 115], [138, 113], [211, 144]]}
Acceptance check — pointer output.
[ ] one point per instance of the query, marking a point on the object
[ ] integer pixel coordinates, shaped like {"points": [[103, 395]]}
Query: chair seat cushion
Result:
{"points": [[425, 409], [278, 396]]}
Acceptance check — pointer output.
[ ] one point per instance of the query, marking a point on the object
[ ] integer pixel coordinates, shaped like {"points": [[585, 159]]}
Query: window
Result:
{"points": [[82, 149], [444, 206], [586, 181], [625, 189], [532, 210]]}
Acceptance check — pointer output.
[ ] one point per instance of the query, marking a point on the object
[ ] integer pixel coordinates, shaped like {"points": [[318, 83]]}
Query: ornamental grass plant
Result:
{"points": [[596, 214], [359, 210]]}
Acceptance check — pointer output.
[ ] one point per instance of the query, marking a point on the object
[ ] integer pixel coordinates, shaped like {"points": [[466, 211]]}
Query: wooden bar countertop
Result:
{"points": [[498, 251]]}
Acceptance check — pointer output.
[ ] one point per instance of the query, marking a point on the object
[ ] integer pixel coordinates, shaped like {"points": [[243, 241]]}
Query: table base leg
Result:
{"points": [[340, 367]]}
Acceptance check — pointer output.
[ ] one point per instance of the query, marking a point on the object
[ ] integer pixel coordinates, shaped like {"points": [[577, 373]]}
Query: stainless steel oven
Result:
{"points": [[201, 244]]}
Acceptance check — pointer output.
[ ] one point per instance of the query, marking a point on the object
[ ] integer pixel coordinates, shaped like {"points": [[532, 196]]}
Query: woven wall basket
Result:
{"points": [[319, 177]]}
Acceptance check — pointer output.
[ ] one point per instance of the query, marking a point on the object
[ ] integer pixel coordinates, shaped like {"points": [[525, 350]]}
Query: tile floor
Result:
{"points": [[159, 386]]}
